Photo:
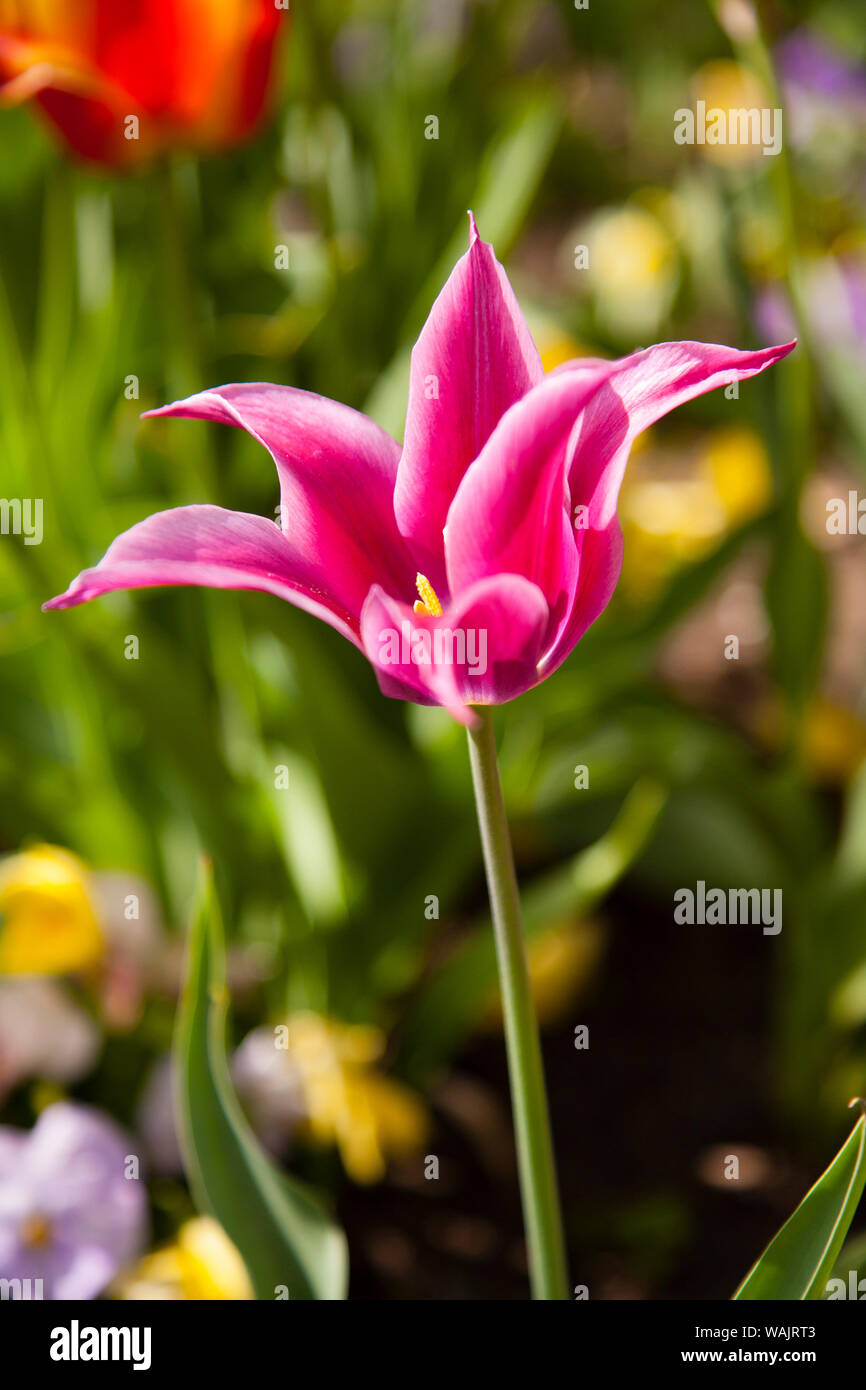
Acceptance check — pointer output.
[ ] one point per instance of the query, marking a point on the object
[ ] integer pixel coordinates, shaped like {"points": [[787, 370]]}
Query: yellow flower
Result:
{"points": [[735, 462], [835, 742], [675, 518], [634, 250], [666, 522], [728, 86], [834, 738], [49, 925], [561, 961], [369, 1116], [555, 346], [200, 1264], [632, 269]]}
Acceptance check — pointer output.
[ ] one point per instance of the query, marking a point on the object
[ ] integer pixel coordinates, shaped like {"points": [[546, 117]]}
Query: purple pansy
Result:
{"points": [[71, 1215]]}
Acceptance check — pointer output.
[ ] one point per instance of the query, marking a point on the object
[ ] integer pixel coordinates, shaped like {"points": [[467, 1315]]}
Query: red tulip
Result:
{"points": [[122, 80]]}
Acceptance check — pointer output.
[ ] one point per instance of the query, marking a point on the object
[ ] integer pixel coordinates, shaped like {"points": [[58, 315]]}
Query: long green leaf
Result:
{"points": [[284, 1236], [798, 1261]]}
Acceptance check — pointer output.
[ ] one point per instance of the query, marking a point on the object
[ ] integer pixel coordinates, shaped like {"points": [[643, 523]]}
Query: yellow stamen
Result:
{"points": [[35, 1232], [428, 602]]}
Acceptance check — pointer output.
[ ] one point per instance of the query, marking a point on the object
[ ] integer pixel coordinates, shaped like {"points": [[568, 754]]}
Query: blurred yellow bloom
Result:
{"points": [[369, 1116], [632, 268], [724, 85], [666, 523], [49, 924], [834, 738], [761, 242], [200, 1264], [736, 464], [835, 744], [562, 959], [669, 521], [556, 346], [634, 250], [851, 242]]}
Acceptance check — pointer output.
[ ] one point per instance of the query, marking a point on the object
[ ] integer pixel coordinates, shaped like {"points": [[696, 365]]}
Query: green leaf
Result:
{"points": [[281, 1231], [798, 1261]]}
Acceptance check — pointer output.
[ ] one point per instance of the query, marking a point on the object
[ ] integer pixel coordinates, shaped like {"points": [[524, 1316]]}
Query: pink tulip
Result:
{"points": [[498, 517]]}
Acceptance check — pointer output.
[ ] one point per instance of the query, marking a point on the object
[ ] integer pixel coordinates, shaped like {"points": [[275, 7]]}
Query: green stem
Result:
{"points": [[528, 1096]]}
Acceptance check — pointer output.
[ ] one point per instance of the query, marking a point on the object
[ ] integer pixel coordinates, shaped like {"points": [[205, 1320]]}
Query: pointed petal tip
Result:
{"points": [[779, 350], [170, 408], [78, 592], [776, 352], [156, 412], [59, 601], [473, 227], [183, 407]]}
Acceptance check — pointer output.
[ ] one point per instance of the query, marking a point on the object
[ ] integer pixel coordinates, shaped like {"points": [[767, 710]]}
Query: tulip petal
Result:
{"points": [[649, 385], [483, 649], [336, 470], [474, 358], [645, 387], [511, 513], [214, 548]]}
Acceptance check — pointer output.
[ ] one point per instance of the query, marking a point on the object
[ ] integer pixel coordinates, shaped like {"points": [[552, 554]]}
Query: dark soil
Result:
{"points": [[676, 1079]]}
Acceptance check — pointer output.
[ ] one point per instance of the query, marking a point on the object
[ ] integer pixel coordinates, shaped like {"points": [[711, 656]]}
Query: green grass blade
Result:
{"points": [[799, 1259], [283, 1235]]}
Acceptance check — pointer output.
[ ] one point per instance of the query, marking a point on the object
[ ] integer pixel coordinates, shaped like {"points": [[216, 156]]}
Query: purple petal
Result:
{"points": [[19, 1261], [74, 1271], [13, 1143], [74, 1174], [217, 549], [474, 358], [337, 470], [806, 60]]}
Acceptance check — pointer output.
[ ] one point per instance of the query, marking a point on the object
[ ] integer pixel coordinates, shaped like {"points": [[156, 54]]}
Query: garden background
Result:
{"points": [[236, 726]]}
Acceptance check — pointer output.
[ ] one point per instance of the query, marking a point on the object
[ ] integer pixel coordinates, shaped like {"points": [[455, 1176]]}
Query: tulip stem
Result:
{"points": [[538, 1187]]}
